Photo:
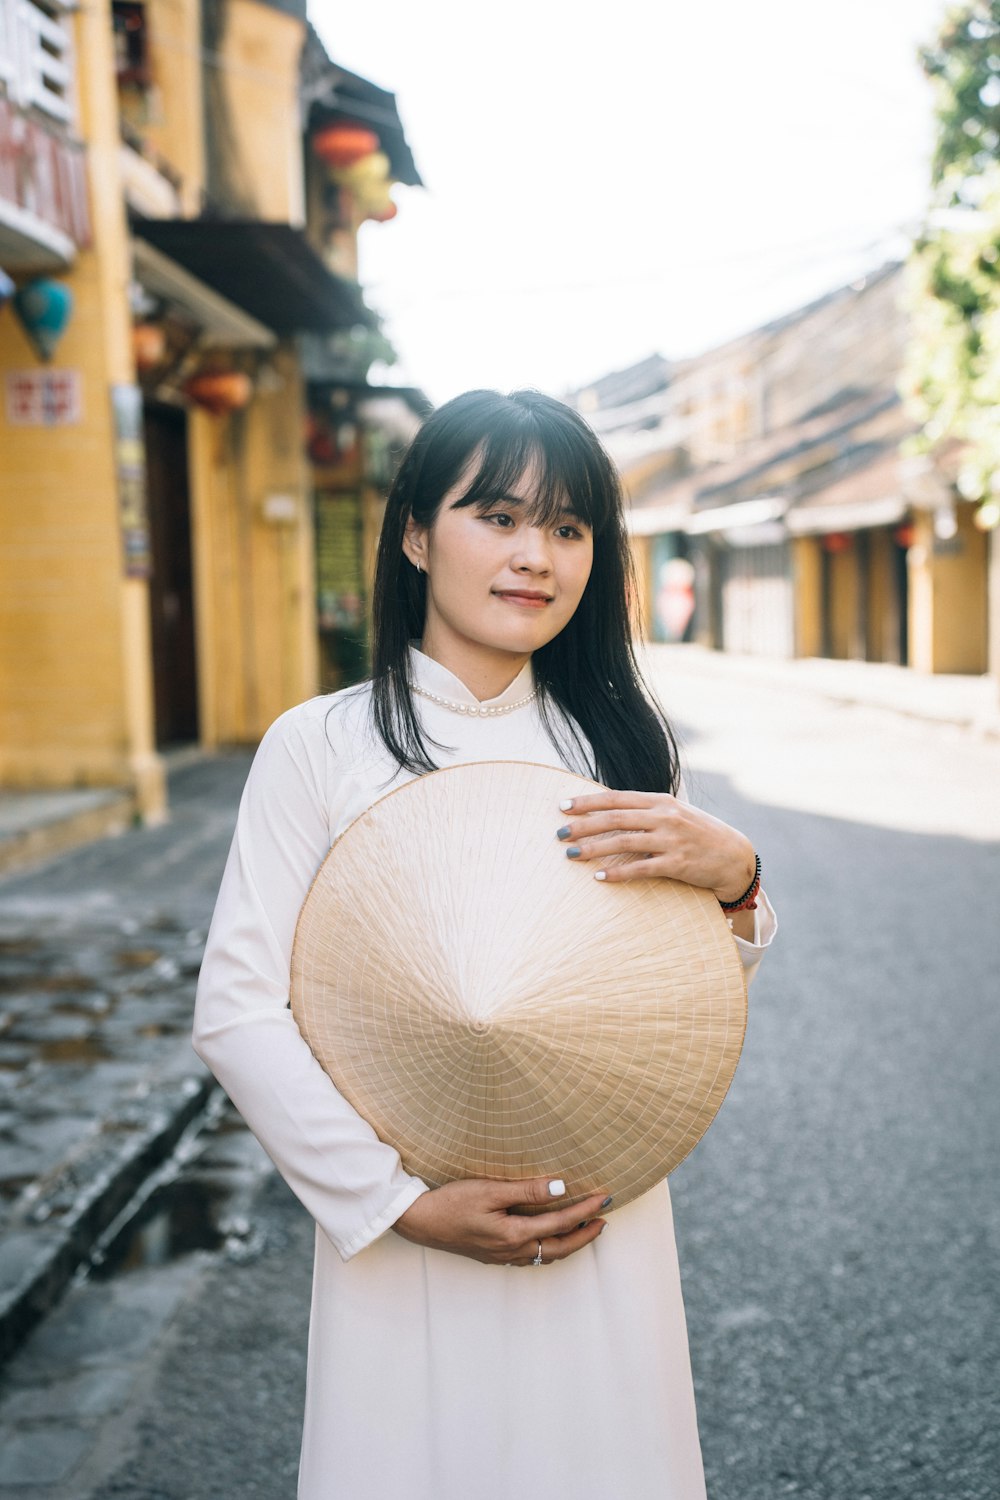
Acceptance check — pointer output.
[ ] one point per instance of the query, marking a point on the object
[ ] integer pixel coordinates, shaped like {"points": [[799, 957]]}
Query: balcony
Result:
{"points": [[43, 195]]}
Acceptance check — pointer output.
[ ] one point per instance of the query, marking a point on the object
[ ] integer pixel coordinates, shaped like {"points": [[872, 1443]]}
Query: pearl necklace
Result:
{"points": [[475, 710]]}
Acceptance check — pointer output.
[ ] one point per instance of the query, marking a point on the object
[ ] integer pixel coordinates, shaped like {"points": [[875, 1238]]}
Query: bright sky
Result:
{"points": [[606, 181]]}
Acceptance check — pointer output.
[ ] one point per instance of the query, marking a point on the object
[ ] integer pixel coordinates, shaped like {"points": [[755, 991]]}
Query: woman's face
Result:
{"points": [[495, 580]]}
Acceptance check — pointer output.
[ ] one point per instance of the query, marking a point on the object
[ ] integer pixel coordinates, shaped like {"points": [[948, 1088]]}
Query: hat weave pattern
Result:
{"points": [[493, 1011]]}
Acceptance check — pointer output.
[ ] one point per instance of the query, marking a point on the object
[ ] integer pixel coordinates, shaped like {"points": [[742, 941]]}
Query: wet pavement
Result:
{"points": [[73, 1397], [99, 953]]}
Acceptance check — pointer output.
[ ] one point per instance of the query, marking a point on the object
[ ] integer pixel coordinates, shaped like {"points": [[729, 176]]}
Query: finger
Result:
{"points": [[563, 1220], [560, 1247], [532, 1191], [588, 825], [616, 843], [648, 868], [600, 801]]}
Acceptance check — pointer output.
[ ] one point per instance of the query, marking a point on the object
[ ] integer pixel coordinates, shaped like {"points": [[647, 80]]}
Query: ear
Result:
{"points": [[415, 543]]}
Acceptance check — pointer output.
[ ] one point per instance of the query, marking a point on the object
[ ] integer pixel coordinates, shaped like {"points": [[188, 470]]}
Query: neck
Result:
{"points": [[486, 672]]}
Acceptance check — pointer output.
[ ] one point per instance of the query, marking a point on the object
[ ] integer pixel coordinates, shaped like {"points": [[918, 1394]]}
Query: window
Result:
{"points": [[36, 56]]}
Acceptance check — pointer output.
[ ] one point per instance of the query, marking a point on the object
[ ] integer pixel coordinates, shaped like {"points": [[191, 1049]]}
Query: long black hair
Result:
{"points": [[588, 670]]}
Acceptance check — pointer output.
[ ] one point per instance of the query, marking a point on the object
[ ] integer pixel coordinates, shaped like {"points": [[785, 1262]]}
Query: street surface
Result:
{"points": [[839, 1226]]}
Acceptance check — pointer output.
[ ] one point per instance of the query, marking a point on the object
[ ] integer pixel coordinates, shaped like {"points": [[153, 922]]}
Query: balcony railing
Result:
{"points": [[36, 56]]}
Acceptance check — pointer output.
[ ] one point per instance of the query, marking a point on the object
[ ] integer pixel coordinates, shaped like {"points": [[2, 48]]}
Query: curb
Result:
{"points": [[24, 847], [71, 1208]]}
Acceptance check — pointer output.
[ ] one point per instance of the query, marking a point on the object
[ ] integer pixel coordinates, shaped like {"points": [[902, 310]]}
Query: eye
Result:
{"points": [[501, 518], [567, 531]]}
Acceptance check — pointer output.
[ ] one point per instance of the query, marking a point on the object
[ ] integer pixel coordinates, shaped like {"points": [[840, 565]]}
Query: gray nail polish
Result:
{"points": [[607, 1203], [573, 852], [562, 833]]}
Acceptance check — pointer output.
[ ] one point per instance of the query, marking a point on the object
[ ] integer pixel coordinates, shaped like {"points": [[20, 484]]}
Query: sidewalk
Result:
{"points": [[99, 951], [971, 703]]}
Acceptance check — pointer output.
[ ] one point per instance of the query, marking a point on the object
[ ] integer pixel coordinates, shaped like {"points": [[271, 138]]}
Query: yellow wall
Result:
{"points": [[807, 593], [948, 584], [174, 125], [260, 72], [844, 600], [75, 680], [254, 579]]}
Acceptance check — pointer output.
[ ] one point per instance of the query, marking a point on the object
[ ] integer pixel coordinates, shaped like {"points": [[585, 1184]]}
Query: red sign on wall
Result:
{"points": [[44, 173]]}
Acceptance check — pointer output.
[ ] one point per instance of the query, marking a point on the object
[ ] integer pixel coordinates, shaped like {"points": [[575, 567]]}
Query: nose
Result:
{"points": [[532, 554]]}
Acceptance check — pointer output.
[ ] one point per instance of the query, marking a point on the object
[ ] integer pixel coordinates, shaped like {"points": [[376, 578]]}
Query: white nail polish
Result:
{"points": [[557, 1187], [600, 875], [566, 806]]}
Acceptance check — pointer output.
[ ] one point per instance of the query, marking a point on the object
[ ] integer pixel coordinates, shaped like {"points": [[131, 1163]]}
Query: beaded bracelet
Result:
{"points": [[748, 900]]}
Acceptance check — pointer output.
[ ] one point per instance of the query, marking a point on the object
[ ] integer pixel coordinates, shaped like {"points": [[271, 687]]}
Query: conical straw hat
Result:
{"points": [[493, 1011]]}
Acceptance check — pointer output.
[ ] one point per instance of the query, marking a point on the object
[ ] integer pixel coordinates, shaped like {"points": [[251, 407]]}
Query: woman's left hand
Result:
{"points": [[664, 835]]}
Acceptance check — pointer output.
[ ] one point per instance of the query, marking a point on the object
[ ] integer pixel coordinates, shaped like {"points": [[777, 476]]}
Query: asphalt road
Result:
{"points": [[839, 1225]]}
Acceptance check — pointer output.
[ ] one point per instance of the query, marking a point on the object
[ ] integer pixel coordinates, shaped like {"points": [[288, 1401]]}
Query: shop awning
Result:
{"points": [[222, 323], [859, 515], [269, 270], [336, 95], [735, 517]]}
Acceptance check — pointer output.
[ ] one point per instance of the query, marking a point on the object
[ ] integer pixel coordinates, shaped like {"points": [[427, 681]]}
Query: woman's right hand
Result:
{"points": [[479, 1218]]}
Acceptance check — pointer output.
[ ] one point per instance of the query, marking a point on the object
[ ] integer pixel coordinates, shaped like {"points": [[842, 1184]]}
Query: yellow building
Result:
{"points": [[157, 578], [772, 509]]}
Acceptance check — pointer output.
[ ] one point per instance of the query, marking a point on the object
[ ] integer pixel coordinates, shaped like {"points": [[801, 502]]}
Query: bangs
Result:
{"points": [[565, 478]]}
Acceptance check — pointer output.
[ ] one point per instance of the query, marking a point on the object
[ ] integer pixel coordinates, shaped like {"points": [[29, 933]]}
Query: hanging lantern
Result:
{"points": [[44, 308], [149, 344], [220, 391], [906, 535], [837, 541], [365, 173], [342, 145]]}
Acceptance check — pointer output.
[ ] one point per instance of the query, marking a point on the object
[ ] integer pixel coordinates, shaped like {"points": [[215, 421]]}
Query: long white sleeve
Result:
{"points": [[351, 1182], [765, 925]]}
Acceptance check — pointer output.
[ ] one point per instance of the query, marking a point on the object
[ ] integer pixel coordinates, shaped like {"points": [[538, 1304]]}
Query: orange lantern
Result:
{"points": [[220, 391], [837, 541], [149, 344], [905, 535], [343, 145]]}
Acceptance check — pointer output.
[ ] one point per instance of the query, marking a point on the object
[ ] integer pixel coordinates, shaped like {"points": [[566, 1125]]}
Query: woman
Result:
{"points": [[434, 1374]]}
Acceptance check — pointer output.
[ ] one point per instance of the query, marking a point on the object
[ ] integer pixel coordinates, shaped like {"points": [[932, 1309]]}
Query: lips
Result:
{"points": [[523, 596]]}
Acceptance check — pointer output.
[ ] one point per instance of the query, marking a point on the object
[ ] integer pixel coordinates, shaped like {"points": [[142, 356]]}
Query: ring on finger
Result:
{"points": [[538, 1258]]}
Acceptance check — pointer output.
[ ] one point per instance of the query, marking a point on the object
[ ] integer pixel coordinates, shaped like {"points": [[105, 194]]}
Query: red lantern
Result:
{"points": [[905, 536], [220, 391], [837, 541], [343, 145]]}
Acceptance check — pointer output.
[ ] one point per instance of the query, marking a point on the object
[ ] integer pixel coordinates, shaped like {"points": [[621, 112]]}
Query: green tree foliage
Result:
{"points": [[952, 380]]}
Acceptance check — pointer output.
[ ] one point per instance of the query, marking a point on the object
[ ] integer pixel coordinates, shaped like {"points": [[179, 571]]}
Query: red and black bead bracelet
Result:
{"points": [[748, 900]]}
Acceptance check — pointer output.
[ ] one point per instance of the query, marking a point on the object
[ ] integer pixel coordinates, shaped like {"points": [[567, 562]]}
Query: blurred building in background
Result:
{"points": [[772, 508], [192, 458]]}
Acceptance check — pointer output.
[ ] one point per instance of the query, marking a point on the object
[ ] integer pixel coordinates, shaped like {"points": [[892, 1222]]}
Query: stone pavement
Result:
{"points": [[99, 951]]}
